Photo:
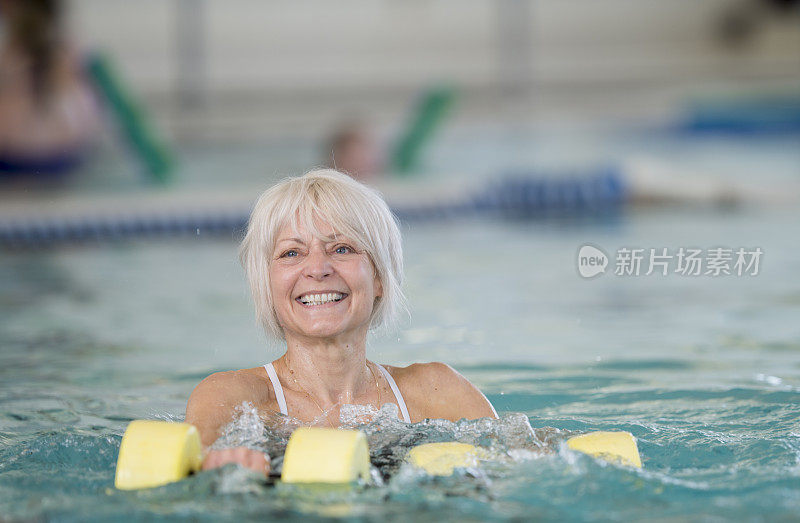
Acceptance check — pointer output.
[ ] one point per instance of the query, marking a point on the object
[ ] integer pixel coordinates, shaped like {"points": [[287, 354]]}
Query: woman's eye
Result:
{"points": [[291, 253], [343, 249]]}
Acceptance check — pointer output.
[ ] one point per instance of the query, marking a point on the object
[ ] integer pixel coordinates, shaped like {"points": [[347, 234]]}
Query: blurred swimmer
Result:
{"points": [[49, 117], [353, 150], [644, 181]]}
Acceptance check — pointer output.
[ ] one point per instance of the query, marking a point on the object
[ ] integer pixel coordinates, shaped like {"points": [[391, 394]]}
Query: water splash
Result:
{"points": [[266, 432], [507, 440]]}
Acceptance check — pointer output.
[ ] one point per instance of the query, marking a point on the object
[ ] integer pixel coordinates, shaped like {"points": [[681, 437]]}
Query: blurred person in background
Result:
{"points": [[49, 117], [352, 149]]}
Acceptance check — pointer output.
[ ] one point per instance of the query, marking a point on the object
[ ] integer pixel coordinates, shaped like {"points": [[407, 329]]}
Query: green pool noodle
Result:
{"points": [[152, 151], [431, 110]]}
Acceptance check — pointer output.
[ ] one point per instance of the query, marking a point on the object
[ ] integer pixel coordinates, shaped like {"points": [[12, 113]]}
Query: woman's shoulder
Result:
{"points": [[232, 387], [423, 374], [224, 378], [214, 400], [437, 390], [423, 379]]}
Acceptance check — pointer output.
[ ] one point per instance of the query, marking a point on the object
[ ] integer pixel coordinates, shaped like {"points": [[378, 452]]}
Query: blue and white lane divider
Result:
{"points": [[48, 231], [524, 196], [515, 196]]}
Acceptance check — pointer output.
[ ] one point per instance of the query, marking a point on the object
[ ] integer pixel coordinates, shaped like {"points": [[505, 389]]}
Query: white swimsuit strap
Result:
{"points": [[276, 386], [399, 397]]}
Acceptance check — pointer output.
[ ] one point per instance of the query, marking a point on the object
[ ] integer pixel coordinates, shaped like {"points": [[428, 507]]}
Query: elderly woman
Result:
{"points": [[324, 261]]}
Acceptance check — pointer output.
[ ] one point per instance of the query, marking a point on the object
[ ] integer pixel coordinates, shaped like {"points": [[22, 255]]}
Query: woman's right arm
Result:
{"points": [[210, 407]]}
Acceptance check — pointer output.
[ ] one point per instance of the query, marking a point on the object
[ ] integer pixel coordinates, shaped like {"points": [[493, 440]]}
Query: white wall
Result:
{"points": [[276, 48], [283, 43]]}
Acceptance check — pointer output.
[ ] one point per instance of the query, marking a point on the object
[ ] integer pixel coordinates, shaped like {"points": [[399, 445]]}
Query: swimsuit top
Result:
{"points": [[276, 385]]}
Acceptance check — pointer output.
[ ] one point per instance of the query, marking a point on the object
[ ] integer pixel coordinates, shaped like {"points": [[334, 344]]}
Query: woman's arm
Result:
{"points": [[211, 406]]}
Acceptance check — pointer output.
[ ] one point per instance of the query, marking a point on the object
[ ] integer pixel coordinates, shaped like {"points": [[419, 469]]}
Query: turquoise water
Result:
{"points": [[704, 371]]}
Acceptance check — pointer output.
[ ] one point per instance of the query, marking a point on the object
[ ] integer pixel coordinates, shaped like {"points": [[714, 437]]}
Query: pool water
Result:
{"points": [[704, 371]]}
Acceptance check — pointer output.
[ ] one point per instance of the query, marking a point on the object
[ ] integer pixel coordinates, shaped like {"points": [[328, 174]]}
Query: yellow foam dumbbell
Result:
{"points": [[615, 447], [154, 453], [320, 455], [441, 459]]}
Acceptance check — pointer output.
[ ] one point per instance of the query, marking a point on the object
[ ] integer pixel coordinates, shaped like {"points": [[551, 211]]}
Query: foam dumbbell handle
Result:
{"points": [[154, 453]]}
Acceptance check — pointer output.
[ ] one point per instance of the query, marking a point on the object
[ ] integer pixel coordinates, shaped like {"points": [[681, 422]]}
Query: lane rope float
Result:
{"points": [[515, 196], [155, 453]]}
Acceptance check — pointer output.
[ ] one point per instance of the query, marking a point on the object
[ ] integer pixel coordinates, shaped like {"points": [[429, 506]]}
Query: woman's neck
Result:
{"points": [[332, 371]]}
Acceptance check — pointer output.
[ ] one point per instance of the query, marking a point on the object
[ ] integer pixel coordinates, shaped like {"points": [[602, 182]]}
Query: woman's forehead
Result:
{"points": [[298, 230]]}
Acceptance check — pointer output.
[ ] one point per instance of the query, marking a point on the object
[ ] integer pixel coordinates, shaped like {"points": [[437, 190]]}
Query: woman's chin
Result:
{"points": [[327, 331]]}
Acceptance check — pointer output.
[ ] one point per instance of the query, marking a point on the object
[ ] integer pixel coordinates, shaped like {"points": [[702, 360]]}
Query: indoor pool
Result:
{"points": [[703, 370]]}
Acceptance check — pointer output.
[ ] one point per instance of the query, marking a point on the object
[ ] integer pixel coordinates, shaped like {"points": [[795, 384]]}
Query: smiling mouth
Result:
{"points": [[311, 299]]}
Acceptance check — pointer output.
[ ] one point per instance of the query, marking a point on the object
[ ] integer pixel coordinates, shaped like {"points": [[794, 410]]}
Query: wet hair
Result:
{"points": [[351, 209]]}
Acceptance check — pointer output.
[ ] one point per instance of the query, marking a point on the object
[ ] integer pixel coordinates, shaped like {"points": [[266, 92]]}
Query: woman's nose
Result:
{"points": [[318, 264]]}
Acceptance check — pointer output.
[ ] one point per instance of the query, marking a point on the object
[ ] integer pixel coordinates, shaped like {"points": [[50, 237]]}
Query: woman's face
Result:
{"points": [[321, 289]]}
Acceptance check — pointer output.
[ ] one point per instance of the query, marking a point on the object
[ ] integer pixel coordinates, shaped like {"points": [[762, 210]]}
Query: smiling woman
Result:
{"points": [[308, 305], [323, 256]]}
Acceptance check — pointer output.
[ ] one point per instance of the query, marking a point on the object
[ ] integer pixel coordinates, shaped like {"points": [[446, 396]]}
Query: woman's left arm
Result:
{"points": [[441, 392]]}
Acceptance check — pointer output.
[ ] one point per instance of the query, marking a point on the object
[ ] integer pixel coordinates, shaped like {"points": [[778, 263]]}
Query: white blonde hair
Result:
{"points": [[350, 208]]}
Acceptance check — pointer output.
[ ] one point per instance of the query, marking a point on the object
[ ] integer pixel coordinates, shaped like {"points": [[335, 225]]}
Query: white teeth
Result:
{"points": [[319, 299]]}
